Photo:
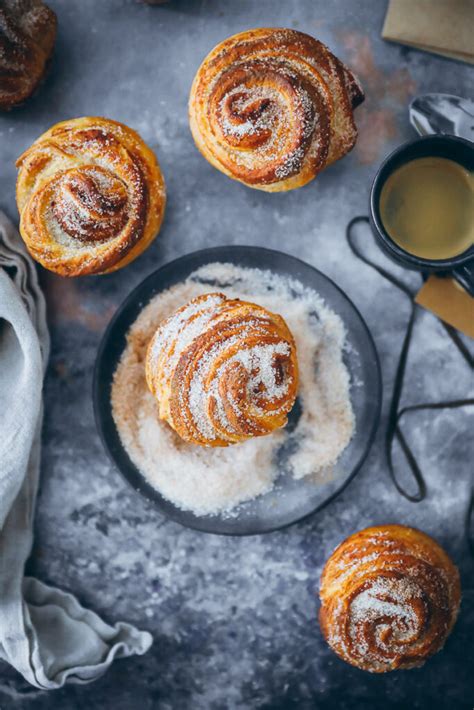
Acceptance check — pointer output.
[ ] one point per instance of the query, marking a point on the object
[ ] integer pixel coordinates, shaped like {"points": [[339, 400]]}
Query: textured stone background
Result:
{"points": [[233, 619]]}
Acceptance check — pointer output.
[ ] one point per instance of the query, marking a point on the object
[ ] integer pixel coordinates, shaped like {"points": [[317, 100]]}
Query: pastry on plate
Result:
{"points": [[389, 598], [27, 36], [222, 370], [273, 107], [91, 197]]}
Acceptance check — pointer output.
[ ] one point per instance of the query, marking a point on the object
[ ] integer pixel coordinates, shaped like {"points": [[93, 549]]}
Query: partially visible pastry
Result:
{"points": [[389, 598], [272, 108], [91, 197], [27, 36], [222, 371]]}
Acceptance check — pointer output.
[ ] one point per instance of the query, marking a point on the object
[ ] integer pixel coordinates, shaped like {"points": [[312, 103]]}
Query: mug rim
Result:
{"points": [[381, 176]]}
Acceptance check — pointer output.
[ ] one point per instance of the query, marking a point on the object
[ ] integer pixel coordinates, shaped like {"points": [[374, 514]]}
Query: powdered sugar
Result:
{"points": [[386, 608], [211, 480], [386, 597]]}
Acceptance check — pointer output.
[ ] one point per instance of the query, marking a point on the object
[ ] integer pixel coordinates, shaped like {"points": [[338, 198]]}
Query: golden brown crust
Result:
{"points": [[222, 370], [91, 197], [273, 107], [389, 598], [27, 36]]}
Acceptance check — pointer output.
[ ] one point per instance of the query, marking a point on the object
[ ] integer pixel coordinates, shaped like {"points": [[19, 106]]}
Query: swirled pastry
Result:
{"points": [[27, 36], [390, 596], [222, 370], [272, 108], [91, 197]]}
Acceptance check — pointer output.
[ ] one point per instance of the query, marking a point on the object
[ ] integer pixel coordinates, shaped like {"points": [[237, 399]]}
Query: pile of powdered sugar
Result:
{"points": [[215, 480], [388, 604]]}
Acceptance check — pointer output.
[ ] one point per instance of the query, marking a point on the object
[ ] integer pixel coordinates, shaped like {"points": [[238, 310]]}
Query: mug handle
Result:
{"points": [[464, 275]]}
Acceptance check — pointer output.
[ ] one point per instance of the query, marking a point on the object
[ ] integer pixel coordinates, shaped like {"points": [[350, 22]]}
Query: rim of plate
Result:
{"points": [[135, 304]]}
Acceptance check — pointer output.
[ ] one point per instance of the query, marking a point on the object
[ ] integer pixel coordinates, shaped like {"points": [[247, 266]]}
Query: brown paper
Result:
{"points": [[444, 27], [446, 299]]}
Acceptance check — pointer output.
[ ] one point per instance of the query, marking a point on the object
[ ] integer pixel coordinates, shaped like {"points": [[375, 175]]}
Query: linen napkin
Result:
{"points": [[44, 632], [443, 27]]}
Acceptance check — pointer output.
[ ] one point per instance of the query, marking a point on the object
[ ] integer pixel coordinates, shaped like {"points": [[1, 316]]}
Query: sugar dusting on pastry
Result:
{"points": [[91, 196], [213, 480], [273, 107], [222, 370], [389, 598], [27, 37]]}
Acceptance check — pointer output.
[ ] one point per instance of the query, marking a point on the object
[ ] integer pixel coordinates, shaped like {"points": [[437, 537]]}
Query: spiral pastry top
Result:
{"points": [[273, 107], [91, 197], [27, 36], [222, 370], [390, 596]]}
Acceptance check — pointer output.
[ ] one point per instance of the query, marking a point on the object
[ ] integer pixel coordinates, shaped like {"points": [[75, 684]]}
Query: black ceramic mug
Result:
{"points": [[461, 267]]}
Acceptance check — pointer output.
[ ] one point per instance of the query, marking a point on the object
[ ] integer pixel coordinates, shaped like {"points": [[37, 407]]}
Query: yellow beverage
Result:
{"points": [[427, 207]]}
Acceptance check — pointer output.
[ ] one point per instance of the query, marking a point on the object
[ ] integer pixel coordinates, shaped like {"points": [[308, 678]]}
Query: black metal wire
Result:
{"points": [[393, 431]]}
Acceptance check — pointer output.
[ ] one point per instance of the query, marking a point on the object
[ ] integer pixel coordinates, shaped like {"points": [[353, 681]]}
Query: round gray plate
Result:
{"points": [[290, 501]]}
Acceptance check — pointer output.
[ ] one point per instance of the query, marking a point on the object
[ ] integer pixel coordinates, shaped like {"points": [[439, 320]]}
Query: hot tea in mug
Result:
{"points": [[422, 206]]}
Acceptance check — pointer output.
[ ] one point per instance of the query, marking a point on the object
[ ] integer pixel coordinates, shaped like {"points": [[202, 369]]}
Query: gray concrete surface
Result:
{"points": [[234, 620]]}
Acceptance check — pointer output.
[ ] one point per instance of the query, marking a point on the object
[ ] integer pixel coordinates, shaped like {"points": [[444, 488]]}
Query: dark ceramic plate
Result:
{"points": [[291, 500]]}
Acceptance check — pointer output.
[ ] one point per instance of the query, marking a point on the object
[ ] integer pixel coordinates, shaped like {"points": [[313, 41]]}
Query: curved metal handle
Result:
{"points": [[464, 275]]}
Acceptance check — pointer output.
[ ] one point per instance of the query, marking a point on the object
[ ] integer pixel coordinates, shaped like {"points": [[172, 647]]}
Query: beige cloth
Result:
{"points": [[44, 632], [444, 27]]}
